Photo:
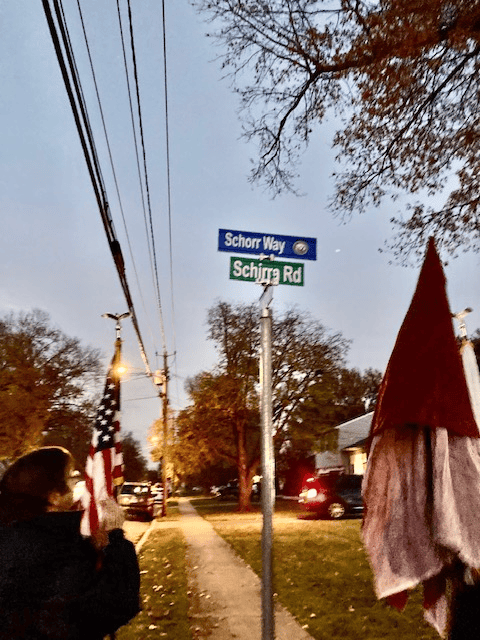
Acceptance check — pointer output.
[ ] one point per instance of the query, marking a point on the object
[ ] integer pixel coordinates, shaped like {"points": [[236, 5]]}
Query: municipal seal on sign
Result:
{"points": [[300, 247]]}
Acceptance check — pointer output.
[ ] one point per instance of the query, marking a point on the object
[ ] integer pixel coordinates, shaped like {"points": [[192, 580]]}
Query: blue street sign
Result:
{"points": [[267, 245]]}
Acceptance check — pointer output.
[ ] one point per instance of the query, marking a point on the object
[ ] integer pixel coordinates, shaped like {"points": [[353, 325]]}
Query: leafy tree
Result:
{"points": [[154, 475], [402, 77], [223, 420], [135, 464], [221, 424], [158, 451], [72, 429], [214, 475], [303, 353], [336, 398], [45, 378]]}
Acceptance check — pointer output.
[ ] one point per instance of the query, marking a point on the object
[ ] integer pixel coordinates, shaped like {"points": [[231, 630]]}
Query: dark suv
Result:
{"points": [[332, 495]]}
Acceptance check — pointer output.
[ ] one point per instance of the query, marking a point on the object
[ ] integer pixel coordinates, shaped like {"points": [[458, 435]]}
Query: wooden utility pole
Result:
{"points": [[165, 435]]}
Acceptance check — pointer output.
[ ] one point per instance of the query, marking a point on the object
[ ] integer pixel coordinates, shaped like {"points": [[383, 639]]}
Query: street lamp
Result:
{"points": [[117, 366], [460, 316], [117, 317]]}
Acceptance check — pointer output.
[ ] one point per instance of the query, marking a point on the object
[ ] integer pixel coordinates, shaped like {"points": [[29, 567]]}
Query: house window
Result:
{"points": [[358, 462]]}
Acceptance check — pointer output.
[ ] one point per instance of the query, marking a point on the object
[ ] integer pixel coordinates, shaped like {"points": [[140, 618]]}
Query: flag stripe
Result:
{"points": [[104, 465]]}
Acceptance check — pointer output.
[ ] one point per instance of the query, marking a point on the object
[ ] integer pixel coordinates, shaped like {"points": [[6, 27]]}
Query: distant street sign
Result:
{"points": [[267, 272], [266, 245]]}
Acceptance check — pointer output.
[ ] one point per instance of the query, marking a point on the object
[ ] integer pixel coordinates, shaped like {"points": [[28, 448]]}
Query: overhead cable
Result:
{"points": [[169, 191], [135, 72], [134, 131], [111, 162], [79, 110]]}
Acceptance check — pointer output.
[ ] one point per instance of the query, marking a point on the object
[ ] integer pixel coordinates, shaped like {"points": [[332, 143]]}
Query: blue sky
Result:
{"points": [[53, 248]]}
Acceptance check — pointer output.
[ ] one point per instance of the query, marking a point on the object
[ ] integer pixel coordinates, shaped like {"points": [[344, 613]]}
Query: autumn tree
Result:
{"points": [[161, 450], [400, 76], [336, 397], [222, 421], [72, 427], [46, 382]]}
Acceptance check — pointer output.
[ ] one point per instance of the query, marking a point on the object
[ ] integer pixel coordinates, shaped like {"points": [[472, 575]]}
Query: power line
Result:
{"points": [[137, 86], [111, 157], [169, 198], [167, 147], [132, 118], [80, 114]]}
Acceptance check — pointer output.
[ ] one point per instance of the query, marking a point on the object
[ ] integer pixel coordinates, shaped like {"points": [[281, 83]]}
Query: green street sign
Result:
{"points": [[262, 271]]}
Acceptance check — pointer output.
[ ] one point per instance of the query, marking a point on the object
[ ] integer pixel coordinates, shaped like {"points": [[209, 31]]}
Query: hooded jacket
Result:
{"points": [[54, 585]]}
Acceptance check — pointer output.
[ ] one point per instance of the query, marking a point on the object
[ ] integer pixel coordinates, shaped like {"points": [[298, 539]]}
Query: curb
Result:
{"points": [[144, 537]]}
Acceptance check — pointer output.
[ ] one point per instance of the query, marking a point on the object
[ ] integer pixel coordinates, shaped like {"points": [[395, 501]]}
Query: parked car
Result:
{"points": [[136, 499], [332, 495], [230, 491]]}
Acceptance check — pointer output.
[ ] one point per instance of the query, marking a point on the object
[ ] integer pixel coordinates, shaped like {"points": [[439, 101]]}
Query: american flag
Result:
{"points": [[104, 466]]}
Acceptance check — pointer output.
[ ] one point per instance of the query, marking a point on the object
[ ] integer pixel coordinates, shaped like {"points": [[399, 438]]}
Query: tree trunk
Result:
{"points": [[245, 484], [246, 472]]}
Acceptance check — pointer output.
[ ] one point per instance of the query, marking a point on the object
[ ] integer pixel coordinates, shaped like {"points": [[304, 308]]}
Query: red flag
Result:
{"points": [[424, 384], [104, 467]]}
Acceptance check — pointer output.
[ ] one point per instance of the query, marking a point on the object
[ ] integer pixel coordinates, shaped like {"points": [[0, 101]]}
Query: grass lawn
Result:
{"points": [[321, 573], [164, 590]]}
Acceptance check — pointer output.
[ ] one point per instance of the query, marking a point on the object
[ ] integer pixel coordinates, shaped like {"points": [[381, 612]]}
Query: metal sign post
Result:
{"points": [[268, 464], [268, 271]]}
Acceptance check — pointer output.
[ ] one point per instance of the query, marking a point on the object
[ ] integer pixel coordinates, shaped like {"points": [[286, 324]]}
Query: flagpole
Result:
{"points": [[116, 361], [117, 358]]}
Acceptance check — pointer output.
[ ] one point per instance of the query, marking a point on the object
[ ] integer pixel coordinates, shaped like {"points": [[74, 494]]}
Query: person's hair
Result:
{"points": [[27, 484]]}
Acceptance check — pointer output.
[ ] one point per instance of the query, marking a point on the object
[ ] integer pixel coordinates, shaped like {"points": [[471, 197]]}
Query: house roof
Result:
{"points": [[350, 434], [354, 430]]}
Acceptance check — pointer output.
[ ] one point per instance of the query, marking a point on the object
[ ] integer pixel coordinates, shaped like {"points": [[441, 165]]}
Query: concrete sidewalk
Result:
{"points": [[225, 592]]}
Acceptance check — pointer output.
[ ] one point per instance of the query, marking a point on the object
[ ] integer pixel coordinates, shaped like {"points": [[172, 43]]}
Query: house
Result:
{"points": [[346, 449]]}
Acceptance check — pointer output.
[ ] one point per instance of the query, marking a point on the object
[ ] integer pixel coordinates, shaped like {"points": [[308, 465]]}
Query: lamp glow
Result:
{"points": [[120, 369]]}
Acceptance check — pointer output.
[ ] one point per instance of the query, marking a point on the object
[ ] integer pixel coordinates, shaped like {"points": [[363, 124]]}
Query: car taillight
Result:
{"points": [[311, 493]]}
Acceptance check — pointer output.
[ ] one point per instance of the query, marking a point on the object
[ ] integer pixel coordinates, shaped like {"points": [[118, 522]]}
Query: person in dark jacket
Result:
{"points": [[464, 603], [56, 584]]}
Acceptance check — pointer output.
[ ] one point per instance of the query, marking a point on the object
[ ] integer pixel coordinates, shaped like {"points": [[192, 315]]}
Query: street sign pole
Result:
{"points": [[268, 464], [268, 271]]}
